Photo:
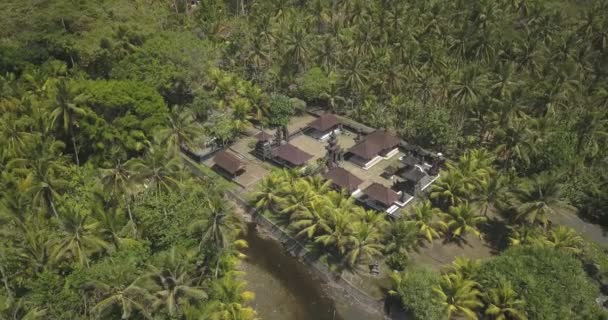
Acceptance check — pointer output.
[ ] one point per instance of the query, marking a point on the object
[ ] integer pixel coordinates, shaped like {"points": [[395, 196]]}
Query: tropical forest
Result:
{"points": [[304, 159]]}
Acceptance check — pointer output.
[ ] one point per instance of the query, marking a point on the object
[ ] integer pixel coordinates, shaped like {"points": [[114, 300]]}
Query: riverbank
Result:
{"points": [[290, 288]]}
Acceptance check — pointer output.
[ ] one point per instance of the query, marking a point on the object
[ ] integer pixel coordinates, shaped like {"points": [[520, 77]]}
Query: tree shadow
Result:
{"points": [[495, 233]]}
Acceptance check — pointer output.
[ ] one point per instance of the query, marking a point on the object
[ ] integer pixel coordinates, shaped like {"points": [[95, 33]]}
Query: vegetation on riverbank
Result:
{"points": [[100, 219]]}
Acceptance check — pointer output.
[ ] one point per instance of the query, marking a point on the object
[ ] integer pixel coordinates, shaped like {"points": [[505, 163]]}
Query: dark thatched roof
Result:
{"points": [[228, 162], [414, 174], [381, 194], [324, 122], [410, 160], [292, 154], [373, 144], [343, 179]]}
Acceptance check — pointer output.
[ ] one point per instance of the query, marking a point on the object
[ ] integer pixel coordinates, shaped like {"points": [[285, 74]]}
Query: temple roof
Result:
{"points": [[381, 194], [343, 179], [324, 122], [228, 162]]}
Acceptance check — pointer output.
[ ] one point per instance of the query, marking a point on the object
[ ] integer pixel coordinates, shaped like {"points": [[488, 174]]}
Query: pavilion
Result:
{"points": [[342, 179], [229, 163], [382, 198], [322, 127], [291, 156], [374, 148]]}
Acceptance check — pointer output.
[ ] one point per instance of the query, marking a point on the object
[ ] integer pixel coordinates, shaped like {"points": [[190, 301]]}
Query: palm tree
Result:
{"points": [[423, 216], [217, 224], [228, 296], [79, 237], [458, 296], [119, 181], [339, 234], [490, 193], [450, 189], [402, 237], [364, 247], [67, 106], [462, 219], [171, 286], [16, 138], [563, 238], [42, 180], [114, 224], [127, 299], [536, 198], [183, 131], [16, 310], [311, 220], [296, 47], [502, 303], [466, 267], [157, 171], [268, 196]]}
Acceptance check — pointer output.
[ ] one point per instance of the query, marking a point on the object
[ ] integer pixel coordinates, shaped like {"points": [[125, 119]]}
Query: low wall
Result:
{"points": [[299, 250]]}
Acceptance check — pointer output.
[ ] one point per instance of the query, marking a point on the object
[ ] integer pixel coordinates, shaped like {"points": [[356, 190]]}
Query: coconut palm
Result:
{"points": [[216, 225], [115, 224], [562, 238], [311, 220], [182, 131], [16, 138], [79, 237], [458, 296], [339, 234], [364, 247], [42, 180], [449, 190], [402, 236], [268, 195], [463, 219], [68, 105], [423, 216], [535, 199], [126, 298], [503, 303], [491, 192], [157, 171], [228, 296], [13, 309], [171, 286], [466, 267]]}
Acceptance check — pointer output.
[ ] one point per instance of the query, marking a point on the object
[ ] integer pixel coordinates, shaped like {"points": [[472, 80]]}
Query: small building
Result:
{"points": [[229, 163], [263, 146], [415, 180], [290, 156], [374, 148], [385, 199], [322, 127], [344, 180], [409, 161]]}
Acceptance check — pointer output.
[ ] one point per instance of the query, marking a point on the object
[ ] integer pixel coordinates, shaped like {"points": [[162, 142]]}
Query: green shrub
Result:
{"points": [[415, 291], [553, 284]]}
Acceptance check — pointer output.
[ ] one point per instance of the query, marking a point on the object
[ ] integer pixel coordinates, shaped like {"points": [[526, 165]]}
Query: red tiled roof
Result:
{"points": [[382, 194], [228, 162], [373, 144], [343, 179], [324, 122], [292, 154]]}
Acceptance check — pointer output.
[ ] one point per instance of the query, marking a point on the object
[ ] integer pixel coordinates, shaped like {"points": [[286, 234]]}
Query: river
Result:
{"points": [[286, 290]]}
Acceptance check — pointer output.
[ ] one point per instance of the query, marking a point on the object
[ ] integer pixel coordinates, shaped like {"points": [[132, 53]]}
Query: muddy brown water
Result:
{"points": [[286, 290]]}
